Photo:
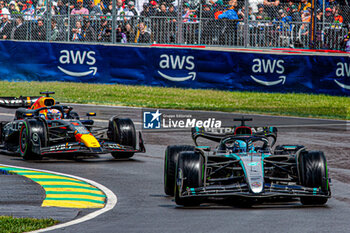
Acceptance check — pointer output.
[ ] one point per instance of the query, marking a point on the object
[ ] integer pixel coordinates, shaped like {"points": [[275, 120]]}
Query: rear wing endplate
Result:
{"points": [[14, 102]]}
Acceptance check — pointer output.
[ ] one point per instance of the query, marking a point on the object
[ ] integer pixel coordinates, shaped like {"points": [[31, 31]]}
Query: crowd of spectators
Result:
{"points": [[147, 21]]}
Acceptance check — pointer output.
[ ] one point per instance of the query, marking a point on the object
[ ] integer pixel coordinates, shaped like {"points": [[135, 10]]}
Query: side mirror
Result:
{"points": [[28, 114], [90, 114]]}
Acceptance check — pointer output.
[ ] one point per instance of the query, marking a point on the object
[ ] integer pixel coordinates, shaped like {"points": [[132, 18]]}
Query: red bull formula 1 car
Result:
{"points": [[43, 127], [244, 168]]}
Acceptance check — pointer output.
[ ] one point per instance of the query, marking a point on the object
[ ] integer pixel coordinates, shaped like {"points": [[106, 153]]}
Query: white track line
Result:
{"points": [[342, 122], [106, 121], [217, 112], [97, 120], [311, 125], [206, 111], [7, 114], [104, 105], [111, 200]]}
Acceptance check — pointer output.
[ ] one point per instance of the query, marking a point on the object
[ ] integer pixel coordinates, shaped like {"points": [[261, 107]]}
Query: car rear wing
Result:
{"points": [[14, 102], [216, 134]]}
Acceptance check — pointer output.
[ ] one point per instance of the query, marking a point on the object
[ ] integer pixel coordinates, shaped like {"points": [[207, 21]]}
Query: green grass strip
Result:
{"points": [[69, 186], [73, 199], [75, 193], [14, 225], [288, 104], [57, 180]]}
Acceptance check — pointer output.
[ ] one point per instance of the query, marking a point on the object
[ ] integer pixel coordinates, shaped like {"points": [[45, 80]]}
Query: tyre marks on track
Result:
{"points": [[62, 191]]}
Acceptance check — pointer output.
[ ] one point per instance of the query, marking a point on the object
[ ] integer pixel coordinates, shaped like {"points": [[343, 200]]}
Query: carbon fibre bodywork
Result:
{"points": [[66, 134], [256, 172]]}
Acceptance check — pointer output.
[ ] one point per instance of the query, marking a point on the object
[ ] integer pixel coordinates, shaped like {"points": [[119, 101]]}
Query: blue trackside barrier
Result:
{"points": [[176, 67]]}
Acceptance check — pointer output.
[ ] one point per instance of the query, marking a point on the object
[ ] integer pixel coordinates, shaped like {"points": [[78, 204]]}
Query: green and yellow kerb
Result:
{"points": [[63, 191]]}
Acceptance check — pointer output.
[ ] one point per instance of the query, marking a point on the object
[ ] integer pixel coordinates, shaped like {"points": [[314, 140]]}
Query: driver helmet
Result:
{"points": [[251, 147], [240, 146], [53, 114]]}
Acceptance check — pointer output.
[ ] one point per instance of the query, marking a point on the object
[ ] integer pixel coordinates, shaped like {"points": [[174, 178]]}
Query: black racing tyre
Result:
{"points": [[170, 160], [73, 115], [122, 131], [190, 172], [33, 135], [313, 174]]}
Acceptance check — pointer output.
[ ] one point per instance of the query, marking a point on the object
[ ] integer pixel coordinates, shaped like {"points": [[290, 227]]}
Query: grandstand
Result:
{"points": [[266, 24]]}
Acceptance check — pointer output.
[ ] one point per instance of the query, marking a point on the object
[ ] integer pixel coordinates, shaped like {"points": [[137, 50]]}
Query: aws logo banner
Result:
{"points": [[77, 63], [268, 72], [342, 73], [176, 68]]}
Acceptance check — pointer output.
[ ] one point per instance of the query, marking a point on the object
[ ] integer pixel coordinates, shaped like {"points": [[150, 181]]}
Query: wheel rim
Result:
{"points": [[23, 140]]}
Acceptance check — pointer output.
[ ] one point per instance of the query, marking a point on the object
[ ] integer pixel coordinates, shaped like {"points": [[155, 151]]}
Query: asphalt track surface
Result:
{"points": [[138, 183]]}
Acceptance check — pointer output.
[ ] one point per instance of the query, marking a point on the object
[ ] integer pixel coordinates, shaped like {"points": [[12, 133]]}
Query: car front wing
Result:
{"points": [[242, 190], [106, 147]]}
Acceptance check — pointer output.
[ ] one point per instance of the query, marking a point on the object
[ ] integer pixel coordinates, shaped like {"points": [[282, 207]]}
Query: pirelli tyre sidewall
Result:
{"points": [[33, 135], [122, 131], [189, 173], [170, 161], [314, 174]]}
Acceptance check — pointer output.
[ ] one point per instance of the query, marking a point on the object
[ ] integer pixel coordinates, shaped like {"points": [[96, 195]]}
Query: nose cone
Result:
{"points": [[254, 172], [89, 141], [256, 186]]}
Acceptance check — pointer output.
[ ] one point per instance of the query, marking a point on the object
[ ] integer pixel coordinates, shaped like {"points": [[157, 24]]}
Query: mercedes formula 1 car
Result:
{"points": [[43, 127], [244, 167]]}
